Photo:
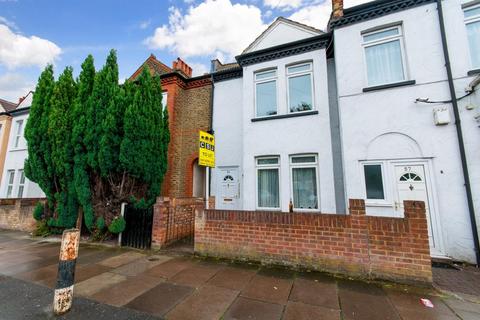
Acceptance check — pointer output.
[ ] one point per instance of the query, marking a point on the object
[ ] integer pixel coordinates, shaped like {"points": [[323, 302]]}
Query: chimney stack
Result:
{"points": [[181, 66], [337, 9]]}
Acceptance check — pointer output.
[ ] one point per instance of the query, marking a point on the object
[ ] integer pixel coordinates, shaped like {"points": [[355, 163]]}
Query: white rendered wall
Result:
{"points": [[284, 137], [14, 160], [365, 116]]}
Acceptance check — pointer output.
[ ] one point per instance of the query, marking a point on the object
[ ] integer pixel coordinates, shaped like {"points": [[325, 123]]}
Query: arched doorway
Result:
{"points": [[198, 181]]}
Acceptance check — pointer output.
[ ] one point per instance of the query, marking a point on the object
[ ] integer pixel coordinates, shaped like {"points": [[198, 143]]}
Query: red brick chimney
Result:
{"points": [[21, 99], [181, 66], [337, 9]]}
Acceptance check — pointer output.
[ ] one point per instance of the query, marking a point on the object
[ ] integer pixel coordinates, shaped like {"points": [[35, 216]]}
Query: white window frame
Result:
{"points": [[400, 37], [474, 19], [297, 74], [164, 99], [313, 165], [19, 128], [386, 198], [270, 79], [268, 166], [10, 183], [21, 174]]}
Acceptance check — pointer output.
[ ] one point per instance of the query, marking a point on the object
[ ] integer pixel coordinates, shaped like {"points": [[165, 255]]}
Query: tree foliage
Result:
{"points": [[93, 144]]}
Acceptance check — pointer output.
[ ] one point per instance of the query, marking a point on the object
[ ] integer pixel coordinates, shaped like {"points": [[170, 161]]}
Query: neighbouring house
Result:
{"points": [[5, 124], [14, 183], [306, 120], [188, 100], [388, 54]]}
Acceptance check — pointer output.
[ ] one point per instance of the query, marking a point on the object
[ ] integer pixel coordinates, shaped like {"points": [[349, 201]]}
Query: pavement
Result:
{"points": [[117, 283]]}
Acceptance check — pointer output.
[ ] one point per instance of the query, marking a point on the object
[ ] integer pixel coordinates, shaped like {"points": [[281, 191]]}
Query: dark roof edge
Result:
{"points": [[19, 111], [227, 74], [182, 76], [374, 9], [284, 50]]}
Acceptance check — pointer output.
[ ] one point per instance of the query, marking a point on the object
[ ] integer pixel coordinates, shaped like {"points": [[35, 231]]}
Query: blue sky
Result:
{"points": [[36, 32]]}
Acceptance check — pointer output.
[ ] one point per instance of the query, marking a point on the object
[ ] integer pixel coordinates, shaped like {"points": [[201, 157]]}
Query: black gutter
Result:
{"points": [[458, 126]]}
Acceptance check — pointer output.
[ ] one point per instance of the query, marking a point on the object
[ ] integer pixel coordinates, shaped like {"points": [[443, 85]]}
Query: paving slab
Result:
{"points": [[232, 278], [298, 310], [269, 289], [39, 274], [248, 309], [141, 265], [160, 299], [363, 301], [93, 285], [29, 265], [170, 268], [196, 275], [315, 291], [461, 305], [84, 272], [409, 306], [123, 292], [121, 259], [208, 303]]}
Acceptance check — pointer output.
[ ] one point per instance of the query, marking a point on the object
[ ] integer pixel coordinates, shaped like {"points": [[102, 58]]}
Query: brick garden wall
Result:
{"points": [[174, 219], [354, 244], [17, 214]]}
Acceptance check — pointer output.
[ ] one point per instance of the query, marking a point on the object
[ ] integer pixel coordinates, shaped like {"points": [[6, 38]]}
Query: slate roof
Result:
{"points": [[7, 105]]}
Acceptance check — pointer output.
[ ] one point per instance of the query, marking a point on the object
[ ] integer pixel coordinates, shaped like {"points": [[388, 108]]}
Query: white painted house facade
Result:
{"points": [[14, 183], [362, 134], [394, 147], [271, 121]]}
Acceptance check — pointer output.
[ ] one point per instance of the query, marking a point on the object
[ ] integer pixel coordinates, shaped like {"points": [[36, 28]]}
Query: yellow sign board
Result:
{"points": [[206, 150]]}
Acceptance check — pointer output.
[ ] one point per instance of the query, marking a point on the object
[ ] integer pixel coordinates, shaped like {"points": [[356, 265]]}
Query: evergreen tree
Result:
{"points": [[80, 171], [60, 126], [38, 165]]}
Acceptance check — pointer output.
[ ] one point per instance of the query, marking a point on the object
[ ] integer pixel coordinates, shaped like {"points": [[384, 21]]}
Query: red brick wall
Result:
{"points": [[355, 244], [174, 219]]}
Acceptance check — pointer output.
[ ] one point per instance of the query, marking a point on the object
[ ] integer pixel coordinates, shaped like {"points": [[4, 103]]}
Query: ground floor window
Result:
{"points": [[268, 183], [304, 181], [374, 181], [21, 183], [10, 181]]}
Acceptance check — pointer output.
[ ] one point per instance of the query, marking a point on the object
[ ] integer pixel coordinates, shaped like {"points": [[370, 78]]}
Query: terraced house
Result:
{"points": [[382, 107]]}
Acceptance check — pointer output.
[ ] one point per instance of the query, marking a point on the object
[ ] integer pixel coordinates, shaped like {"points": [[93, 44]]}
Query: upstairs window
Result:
{"points": [[384, 56], [300, 87], [472, 23], [18, 133], [268, 183], [164, 99], [266, 93]]}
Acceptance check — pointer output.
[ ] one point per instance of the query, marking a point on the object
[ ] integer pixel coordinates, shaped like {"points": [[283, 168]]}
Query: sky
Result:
{"points": [[34, 33]]}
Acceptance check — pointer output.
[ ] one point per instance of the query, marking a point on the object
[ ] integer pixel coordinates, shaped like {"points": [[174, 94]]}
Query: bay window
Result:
{"points": [[472, 23], [10, 181], [268, 182], [21, 183], [304, 181], [300, 87], [266, 93], [384, 56]]}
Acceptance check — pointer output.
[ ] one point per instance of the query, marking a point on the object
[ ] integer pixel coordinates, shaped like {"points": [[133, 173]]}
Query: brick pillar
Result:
{"points": [[160, 216], [359, 234]]}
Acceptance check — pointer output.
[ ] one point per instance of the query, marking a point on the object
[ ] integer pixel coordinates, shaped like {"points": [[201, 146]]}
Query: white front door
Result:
{"points": [[229, 188], [411, 184]]}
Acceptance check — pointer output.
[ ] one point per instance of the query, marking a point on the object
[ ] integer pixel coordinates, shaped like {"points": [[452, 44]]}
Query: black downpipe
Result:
{"points": [[458, 126]]}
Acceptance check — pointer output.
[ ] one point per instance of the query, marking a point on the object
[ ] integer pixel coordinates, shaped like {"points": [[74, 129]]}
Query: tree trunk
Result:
{"points": [[80, 219]]}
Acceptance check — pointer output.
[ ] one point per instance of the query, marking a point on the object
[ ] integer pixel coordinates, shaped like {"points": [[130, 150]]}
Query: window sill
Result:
{"points": [[18, 149], [473, 72], [284, 116], [390, 85]]}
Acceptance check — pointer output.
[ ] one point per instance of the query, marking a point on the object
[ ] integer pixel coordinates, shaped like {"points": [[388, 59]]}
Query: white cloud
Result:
{"points": [[14, 86], [317, 15], [8, 23], [212, 28], [198, 69], [17, 50], [145, 24], [283, 4]]}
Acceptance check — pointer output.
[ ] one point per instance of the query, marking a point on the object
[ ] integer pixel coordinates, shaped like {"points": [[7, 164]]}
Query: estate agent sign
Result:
{"points": [[206, 151]]}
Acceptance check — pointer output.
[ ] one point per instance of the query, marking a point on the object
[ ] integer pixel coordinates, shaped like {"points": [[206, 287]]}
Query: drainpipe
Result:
{"points": [[458, 126]]}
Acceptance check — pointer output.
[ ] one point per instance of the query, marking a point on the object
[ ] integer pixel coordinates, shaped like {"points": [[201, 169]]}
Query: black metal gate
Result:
{"points": [[138, 229]]}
